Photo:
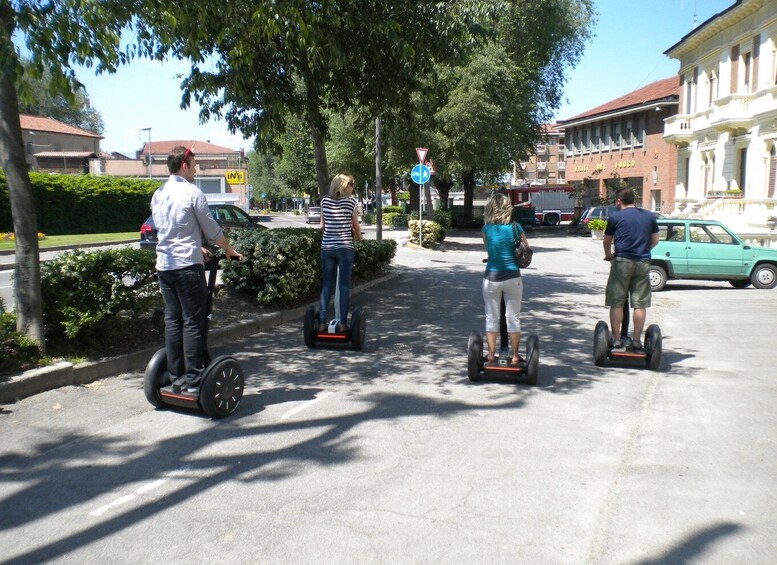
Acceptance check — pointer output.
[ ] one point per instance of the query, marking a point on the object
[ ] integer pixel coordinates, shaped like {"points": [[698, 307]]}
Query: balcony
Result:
{"points": [[733, 114], [677, 130], [542, 150], [542, 165], [561, 166]]}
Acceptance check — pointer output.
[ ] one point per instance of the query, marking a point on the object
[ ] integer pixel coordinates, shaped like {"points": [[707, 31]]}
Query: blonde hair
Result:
{"points": [[499, 209], [338, 184]]}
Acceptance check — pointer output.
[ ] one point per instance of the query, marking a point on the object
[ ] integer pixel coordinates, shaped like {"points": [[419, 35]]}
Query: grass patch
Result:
{"points": [[77, 239]]}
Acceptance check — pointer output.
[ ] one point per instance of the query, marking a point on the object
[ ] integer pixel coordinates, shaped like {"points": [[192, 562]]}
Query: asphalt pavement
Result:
{"points": [[391, 455]]}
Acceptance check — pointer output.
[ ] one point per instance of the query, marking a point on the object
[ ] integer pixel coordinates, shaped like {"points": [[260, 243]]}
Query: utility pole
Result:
{"points": [[149, 150], [378, 184]]}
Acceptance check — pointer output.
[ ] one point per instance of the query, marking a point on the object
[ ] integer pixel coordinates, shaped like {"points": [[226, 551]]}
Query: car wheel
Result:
{"points": [[657, 277], [551, 220], [740, 283], [764, 276]]}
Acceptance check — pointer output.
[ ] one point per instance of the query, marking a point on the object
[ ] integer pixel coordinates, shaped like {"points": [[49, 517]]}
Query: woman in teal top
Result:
{"points": [[503, 276]]}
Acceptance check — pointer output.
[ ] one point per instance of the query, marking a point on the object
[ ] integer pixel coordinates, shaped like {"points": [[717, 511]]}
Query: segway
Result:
{"points": [[222, 383], [356, 334], [478, 367], [604, 349]]}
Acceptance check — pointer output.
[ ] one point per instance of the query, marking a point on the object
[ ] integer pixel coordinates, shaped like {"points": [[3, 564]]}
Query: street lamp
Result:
{"points": [[149, 149]]}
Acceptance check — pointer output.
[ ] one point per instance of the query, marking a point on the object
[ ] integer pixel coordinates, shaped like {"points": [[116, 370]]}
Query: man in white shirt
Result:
{"points": [[182, 219]]}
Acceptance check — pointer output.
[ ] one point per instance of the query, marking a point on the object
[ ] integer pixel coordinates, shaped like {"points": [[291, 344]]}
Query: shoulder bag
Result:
{"points": [[523, 253]]}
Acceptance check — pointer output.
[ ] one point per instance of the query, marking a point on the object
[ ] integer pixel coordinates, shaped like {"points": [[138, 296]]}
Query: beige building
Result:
{"points": [[726, 127], [221, 172], [51, 146]]}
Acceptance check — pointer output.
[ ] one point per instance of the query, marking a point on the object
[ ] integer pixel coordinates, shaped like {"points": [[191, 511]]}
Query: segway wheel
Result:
{"points": [[601, 343], [310, 327], [156, 377], [532, 359], [358, 328], [474, 356], [222, 387], [653, 346]]}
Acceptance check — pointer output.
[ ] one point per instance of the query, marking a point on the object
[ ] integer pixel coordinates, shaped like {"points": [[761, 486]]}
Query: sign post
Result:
{"points": [[420, 175]]}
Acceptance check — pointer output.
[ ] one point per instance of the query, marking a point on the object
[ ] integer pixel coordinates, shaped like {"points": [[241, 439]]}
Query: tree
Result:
{"points": [[276, 59], [37, 99], [57, 34]]}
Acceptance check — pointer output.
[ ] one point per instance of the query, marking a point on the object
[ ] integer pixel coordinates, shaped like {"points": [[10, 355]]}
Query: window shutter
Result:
{"points": [[734, 68]]}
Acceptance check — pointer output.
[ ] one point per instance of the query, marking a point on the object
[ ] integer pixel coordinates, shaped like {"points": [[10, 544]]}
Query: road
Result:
{"points": [[391, 455]]}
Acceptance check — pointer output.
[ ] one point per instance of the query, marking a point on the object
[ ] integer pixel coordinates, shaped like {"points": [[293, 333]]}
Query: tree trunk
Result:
{"points": [[378, 182], [317, 128], [428, 195], [443, 190], [29, 304], [468, 179]]}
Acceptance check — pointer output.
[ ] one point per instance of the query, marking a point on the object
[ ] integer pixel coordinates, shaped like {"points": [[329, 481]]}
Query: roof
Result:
{"points": [[668, 88], [64, 154], [198, 147], [50, 125]]}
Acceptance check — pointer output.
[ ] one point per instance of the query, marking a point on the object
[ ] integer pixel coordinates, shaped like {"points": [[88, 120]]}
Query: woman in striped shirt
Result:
{"points": [[340, 224]]}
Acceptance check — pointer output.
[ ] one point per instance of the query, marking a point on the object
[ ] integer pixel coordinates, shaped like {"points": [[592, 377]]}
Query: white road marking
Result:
{"points": [[304, 405], [140, 490]]}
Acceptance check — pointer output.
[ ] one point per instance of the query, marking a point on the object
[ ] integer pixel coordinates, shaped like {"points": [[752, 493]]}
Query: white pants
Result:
{"points": [[512, 289]]}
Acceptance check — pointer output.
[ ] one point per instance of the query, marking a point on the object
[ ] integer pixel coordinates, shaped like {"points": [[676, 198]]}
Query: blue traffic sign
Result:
{"points": [[264, 195], [420, 174]]}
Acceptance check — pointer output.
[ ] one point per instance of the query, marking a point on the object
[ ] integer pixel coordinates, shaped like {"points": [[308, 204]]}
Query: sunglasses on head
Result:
{"points": [[186, 155]]}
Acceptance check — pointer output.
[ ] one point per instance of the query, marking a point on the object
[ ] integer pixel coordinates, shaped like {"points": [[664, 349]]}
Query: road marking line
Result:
{"points": [[140, 490], [304, 405]]}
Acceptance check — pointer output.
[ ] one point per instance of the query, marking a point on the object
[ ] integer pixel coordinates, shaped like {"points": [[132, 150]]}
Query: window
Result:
{"points": [[710, 234], [712, 88], [627, 132], [747, 64], [586, 147], [616, 140], [597, 141], [639, 133], [772, 171], [671, 232], [687, 172], [210, 185], [605, 137], [742, 169]]}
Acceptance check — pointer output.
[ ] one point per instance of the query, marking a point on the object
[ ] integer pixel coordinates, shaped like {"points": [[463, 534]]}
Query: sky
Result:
{"points": [[626, 53]]}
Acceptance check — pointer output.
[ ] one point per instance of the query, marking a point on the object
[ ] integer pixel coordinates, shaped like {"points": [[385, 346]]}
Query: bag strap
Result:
{"points": [[516, 235]]}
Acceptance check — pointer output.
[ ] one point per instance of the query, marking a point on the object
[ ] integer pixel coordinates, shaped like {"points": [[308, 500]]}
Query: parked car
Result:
{"points": [[602, 213], [708, 250], [228, 216], [314, 215]]}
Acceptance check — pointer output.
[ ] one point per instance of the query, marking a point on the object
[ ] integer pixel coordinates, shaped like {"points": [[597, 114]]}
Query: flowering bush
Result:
{"points": [[12, 237]]}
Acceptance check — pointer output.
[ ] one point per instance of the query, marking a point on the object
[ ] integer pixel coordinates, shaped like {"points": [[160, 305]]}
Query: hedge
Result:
{"points": [[73, 204], [282, 267]]}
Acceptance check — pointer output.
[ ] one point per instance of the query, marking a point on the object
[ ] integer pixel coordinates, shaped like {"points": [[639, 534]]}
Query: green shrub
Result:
{"points": [[86, 292], [433, 232], [17, 351], [597, 224], [394, 219], [282, 267], [392, 209], [444, 218], [368, 219]]}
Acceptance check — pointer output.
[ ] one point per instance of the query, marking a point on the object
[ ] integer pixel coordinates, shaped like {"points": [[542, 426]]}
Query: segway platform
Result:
{"points": [[527, 369], [355, 335], [604, 350], [222, 383]]}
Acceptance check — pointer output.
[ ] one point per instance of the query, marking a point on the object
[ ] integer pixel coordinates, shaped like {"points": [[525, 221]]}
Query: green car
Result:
{"points": [[708, 250]]}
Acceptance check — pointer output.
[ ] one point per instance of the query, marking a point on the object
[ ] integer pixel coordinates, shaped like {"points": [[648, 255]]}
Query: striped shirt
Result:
{"points": [[338, 229]]}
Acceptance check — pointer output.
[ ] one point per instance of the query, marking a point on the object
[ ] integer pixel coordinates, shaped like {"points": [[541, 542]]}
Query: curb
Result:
{"points": [[65, 373]]}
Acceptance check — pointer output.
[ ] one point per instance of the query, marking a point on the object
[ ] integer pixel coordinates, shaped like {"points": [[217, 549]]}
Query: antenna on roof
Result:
{"points": [[694, 14]]}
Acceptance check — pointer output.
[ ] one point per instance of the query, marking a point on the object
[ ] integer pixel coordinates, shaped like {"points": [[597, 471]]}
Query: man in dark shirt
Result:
{"points": [[635, 232]]}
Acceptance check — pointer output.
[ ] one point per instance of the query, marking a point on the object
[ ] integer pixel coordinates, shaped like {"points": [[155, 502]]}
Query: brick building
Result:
{"points": [[548, 163], [621, 141]]}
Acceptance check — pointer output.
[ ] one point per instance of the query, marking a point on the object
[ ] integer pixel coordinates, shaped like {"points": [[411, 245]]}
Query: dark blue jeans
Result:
{"points": [[184, 293], [331, 259]]}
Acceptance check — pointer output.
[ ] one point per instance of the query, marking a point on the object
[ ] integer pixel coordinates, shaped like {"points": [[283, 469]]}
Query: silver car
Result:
{"points": [[314, 215]]}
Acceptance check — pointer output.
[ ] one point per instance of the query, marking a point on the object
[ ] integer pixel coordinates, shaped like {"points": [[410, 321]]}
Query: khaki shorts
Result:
{"points": [[628, 278]]}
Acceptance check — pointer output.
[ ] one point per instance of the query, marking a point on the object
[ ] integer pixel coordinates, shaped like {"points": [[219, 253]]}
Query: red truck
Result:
{"points": [[553, 203]]}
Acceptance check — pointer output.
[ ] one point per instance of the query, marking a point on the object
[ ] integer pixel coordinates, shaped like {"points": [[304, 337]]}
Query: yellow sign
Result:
{"points": [[236, 177], [625, 164]]}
